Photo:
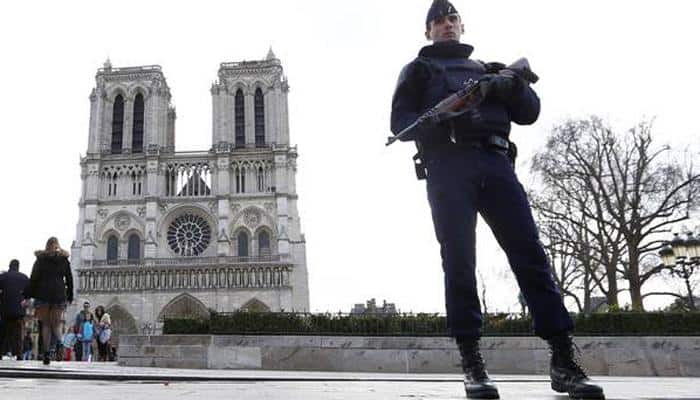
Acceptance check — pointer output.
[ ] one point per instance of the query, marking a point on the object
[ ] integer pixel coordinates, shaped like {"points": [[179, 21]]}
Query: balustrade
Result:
{"points": [[185, 261], [125, 279]]}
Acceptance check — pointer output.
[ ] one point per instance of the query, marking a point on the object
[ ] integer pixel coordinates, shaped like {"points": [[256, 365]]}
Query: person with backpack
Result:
{"points": [[104, 333], [86, 335]]}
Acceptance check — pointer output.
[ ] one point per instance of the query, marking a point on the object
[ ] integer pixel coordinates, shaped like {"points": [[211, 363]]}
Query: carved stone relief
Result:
{"points": [[122, 222], [252, 217]]}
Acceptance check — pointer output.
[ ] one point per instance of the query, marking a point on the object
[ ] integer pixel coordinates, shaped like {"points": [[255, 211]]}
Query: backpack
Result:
{"points": [[88, 331], [105, 335]]}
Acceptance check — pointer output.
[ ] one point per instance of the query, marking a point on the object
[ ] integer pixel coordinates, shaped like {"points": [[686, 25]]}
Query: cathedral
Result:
{"points": [[163, 233]]}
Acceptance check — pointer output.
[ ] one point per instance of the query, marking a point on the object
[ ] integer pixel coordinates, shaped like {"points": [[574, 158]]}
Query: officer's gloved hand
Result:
{"points": [[501, 86]]}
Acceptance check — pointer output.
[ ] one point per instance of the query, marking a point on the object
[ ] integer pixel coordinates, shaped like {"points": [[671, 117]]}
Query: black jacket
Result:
{"points": [[442, 69], [51, 281], [12, 286]]}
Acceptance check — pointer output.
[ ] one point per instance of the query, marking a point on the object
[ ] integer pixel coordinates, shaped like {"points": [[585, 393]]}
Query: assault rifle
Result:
{"points": [[473, 93]]}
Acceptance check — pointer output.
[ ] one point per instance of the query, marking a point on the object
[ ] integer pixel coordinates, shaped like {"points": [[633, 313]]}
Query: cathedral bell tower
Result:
{"points": [[164, 233]]}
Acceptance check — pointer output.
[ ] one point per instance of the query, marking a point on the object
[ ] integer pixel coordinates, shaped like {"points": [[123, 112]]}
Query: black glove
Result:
{"points": [[501, 87]]}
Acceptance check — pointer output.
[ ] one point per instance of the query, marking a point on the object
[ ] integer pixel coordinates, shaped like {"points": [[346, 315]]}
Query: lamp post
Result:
{"points": [[682, 257]]}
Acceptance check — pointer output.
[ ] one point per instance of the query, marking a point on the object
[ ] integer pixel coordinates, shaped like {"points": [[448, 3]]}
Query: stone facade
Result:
{"points": [[165, 232]]}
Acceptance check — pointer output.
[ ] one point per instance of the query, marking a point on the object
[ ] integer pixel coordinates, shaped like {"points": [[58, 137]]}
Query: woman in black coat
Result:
{"points": [[51, 286]]}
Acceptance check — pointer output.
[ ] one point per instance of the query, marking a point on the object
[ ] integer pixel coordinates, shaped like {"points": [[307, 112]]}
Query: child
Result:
{"points": [[69, 340], [87, 334]]}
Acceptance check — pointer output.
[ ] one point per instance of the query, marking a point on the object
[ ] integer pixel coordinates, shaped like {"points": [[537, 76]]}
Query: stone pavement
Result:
{"points": [[30, 380]]}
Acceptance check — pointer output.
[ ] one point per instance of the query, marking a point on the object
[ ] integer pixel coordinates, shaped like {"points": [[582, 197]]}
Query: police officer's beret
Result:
{"points": [[439, 8]]}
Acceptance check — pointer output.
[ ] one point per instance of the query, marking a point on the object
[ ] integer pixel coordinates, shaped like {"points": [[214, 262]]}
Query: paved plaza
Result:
{"points": [[106, 381]]}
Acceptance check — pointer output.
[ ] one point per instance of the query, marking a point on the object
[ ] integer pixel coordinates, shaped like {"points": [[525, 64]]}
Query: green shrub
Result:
{"points": [[186, 326], [599, 324]]}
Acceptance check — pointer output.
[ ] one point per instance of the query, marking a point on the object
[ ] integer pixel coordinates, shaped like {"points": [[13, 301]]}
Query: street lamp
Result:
{"points": [[682, 257]]}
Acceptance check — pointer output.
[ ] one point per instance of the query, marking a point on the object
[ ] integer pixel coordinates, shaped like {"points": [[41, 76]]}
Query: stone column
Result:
{"points": [[98, 132], [152, 128], [228, 130], [249, 107], [127, 138], [89, 238], [216, 134], [93, 139], [153, 193], [284, 114], [105, 130], [170, 140], [223, 188], [269, 117]]}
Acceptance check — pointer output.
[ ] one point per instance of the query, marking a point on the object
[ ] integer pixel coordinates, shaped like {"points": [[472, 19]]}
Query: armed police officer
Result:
{"points": [[467, 160]]}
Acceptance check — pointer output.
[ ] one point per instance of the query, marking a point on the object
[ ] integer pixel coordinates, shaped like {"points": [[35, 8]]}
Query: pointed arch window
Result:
{"points": [[134, 250], [261, 179], [137, 131], [112, 179], [136, 183], [117, 124], [259, 118], [112, 249], [242, 244], [239, 109], [264, 243], [240, 179]]}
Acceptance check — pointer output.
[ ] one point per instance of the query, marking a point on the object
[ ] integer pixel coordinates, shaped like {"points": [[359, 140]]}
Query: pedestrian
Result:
{"points": [[12, 310], [83, 314], [78, 347], [69, 340], [103, 334], [27, 346], [51, 286], [86, 336], [468, 162]]}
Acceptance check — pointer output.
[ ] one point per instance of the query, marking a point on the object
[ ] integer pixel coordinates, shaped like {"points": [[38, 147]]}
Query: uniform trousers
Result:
{"points": [[464, 180]]}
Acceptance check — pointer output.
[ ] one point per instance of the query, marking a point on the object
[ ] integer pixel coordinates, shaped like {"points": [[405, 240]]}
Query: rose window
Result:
{"points": [[189, 235]]}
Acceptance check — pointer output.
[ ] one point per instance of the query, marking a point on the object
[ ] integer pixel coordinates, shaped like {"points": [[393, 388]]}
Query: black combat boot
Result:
{"points": [[47, 358], [567, 374], [476, 380]]}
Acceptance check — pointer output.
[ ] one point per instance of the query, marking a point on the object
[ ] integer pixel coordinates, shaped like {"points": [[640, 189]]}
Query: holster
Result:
{"points": [[421, 171], [512, 152]]}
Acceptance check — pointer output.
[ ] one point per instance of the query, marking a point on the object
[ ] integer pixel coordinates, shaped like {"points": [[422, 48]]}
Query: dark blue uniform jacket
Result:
{"points": [[442, 69]]}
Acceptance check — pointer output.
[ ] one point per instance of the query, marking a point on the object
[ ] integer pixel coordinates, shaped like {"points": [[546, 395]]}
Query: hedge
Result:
{"points": [[599, 324]]}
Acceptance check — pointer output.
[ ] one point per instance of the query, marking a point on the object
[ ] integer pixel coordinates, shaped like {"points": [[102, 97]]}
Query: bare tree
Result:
{"points": [[610, 196], [569, 273], [482, 283]]}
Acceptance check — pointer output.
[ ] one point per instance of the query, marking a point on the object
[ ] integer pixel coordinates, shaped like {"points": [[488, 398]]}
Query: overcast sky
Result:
{"points": [[366, 218]]}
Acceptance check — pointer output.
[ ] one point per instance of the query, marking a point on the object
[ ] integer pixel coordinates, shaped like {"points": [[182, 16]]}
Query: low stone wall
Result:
{"points": [[619, 356]]}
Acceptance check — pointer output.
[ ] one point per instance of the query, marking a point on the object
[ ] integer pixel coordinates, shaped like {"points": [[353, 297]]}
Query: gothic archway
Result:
{"points": [[255, 305], [123, 323], [184, 306]]}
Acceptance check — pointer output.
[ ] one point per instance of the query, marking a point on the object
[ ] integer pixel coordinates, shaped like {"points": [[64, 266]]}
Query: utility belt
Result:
{"points": [[492, 143]]}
